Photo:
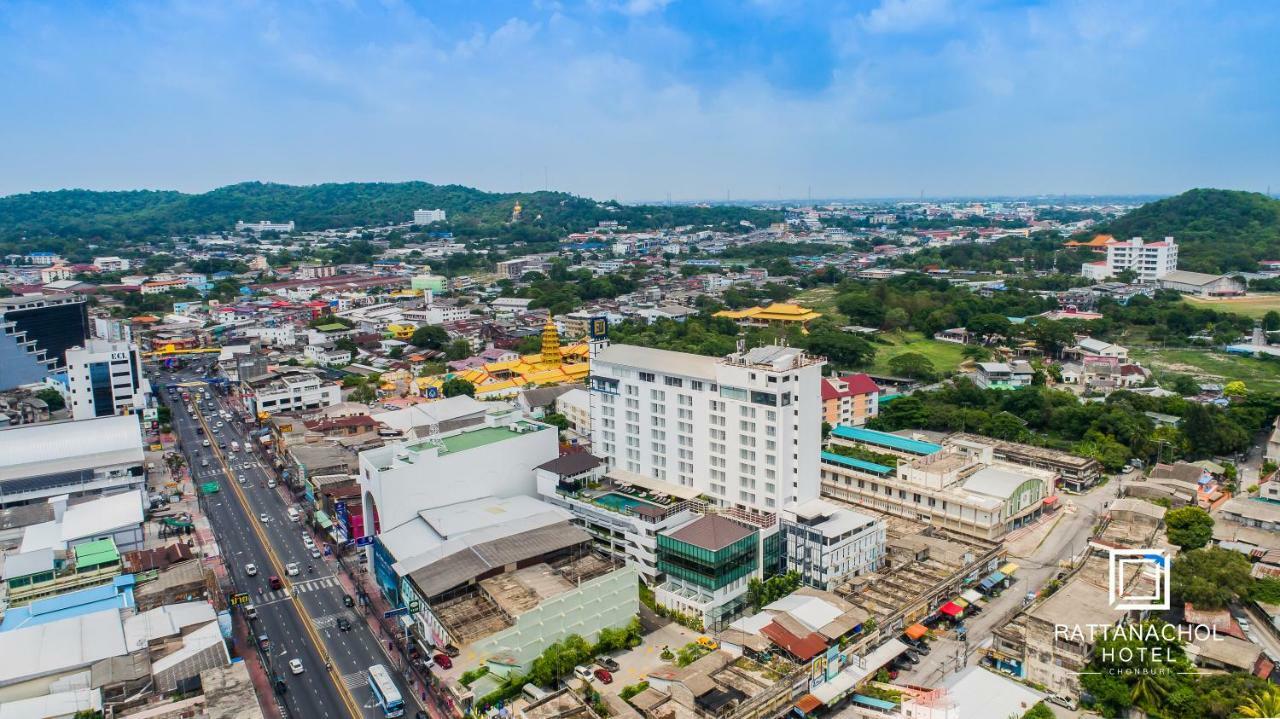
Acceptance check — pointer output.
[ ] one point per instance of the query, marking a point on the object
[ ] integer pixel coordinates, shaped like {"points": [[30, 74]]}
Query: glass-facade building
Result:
{"points": [[709, 569]]}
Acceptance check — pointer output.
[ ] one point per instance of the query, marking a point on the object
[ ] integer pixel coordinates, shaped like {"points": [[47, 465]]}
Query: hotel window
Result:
{"points": [[771, 416], [659, 422], [696, 385], [746, 440], [770, 460], [633, 390], [684, 414], [747, 455], [717, 448], [657, 394], [607, 411], [747, 411], [770, 445], [672, 381], [633, 404], [657, 447], [745, 469], [746, 426], [685, 427], [656, 408], [657, 434], [646, 377], [633, 416]]}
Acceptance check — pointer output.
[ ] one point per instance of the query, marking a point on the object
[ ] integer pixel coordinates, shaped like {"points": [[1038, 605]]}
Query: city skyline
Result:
{"points": [[646, 99]]}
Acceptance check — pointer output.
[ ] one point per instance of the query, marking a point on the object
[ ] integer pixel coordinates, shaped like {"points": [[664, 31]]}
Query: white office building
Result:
{"points": [[289, 391], [426, 217], [743, 429], [827, 544], [1150, 261], [105, 378]]}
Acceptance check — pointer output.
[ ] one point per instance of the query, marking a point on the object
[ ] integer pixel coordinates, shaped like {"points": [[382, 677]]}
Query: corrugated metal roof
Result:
{"points": [[53, 447], [466, 564], [885, 439]]}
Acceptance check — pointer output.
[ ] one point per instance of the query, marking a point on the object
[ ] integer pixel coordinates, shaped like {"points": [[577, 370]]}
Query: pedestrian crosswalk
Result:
{"points": [[355, 680], [314, 584]]}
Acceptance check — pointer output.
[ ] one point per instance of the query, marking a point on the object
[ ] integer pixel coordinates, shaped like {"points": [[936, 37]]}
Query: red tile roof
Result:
{"points": [[857, 384]]}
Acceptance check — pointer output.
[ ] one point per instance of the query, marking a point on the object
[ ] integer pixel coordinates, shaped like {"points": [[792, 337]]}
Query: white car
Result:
{"points": [[251, 570], [308, 542], [315, 553], [291, 569], [241, 478], [204, 443], [271, 484], [264, 517], [295, 666]]}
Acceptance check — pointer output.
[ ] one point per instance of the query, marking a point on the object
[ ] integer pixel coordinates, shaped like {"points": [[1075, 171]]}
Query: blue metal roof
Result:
{"points": [[116, 595], [884, 439], [857, 463]]}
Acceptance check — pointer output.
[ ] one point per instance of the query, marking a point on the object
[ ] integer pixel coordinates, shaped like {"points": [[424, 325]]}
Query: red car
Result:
{"points": [[604, 676], [275, 582], [442, 661]]}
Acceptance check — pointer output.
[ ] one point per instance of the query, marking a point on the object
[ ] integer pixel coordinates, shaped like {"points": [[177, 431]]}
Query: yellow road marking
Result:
{"points": [[307, 621]]}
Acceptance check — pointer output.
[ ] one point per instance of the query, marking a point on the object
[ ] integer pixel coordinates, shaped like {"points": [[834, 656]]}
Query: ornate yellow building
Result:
{"points": [[555, 364], [776, 314]]}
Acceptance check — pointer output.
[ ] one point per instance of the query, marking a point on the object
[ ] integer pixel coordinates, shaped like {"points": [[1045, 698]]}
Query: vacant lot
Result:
{"points": [[822, 299], [946, 357], [1211, 365], [1250, 306]]}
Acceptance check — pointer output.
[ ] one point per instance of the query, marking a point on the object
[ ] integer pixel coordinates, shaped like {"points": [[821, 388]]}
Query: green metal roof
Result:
{"points": [[102, 551], [885, 439], [322, 519]]}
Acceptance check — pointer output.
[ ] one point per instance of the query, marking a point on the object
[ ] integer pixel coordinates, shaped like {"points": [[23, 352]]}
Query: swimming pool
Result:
{"points": [[620, 502]]}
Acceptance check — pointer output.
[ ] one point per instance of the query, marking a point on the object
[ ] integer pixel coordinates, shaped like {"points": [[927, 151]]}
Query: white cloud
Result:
{"points": [[907, 15]]}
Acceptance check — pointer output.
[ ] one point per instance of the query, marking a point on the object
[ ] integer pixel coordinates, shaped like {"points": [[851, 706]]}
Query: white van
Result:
{"points": [[294, 515]]}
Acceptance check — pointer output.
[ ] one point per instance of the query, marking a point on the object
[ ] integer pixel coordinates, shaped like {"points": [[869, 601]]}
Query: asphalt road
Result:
{"points": [[301, 620]]}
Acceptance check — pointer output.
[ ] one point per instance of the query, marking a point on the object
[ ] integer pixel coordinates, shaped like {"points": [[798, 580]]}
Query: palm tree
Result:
{"points": [[1148, 691], [1264, 704]]}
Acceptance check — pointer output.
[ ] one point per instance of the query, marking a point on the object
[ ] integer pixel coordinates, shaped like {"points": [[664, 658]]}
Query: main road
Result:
{"points": [[301, 619]]}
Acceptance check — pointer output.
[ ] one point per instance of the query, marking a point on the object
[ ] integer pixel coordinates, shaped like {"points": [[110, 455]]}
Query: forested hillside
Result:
{"points": [[1216, 230], [72, 214]]}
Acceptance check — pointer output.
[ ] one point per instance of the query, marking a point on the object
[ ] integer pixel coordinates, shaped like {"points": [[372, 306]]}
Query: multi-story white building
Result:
{"points": [[1150, 261], [105, 378], [264, 226], [437, 314], [826, 543], [326, 355], [743, 429], [289, 391], [496, 458], [111, 264], [426, 217]]}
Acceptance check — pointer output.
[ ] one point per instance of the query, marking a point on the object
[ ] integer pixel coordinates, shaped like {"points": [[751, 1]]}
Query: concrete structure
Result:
{"points": [[111, 264], [426, 217], [744, 429], [288, 390], [850, 400], [966, 492], [623, 524], [1201, 284], [1004, 375], [827, 544], [1149, 261], [264, 226], [1075, 472], [86, 458], [575, 406], [496, 458], [105, 378]]}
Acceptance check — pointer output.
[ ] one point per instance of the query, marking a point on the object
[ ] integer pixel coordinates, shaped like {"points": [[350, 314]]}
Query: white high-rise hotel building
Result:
{"points": [[745, 429]]}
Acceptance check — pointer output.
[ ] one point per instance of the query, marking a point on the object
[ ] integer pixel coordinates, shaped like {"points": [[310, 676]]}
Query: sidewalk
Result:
{"points": [[261, 682]]}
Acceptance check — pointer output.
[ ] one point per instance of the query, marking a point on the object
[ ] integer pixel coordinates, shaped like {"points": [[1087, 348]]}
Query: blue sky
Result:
{"points": [[641, 99]]}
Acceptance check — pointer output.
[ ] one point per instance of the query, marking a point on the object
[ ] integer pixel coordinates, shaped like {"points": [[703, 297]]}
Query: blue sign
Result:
{"points": [[398, 611], [364, 541]]}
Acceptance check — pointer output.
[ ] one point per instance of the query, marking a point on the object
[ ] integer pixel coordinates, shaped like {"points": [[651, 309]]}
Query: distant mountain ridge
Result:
{"points": [[147, 213], [1216, 230]]}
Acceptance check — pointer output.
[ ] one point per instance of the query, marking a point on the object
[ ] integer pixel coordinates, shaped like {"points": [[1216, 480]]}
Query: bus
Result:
{"points": [[385, 692]]}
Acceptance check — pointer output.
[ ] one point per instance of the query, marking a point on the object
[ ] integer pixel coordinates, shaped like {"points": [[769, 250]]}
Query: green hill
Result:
{"points": [[133, 215], [1216, 230]]}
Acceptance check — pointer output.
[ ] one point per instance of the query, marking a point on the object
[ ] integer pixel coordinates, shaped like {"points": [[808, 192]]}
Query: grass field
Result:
{"points": [[946, 357], [1216, 366], [1250, 306], [822, 299]]}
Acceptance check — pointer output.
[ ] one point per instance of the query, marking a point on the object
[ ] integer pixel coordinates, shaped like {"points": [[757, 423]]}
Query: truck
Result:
{"points": [[235, 447]]}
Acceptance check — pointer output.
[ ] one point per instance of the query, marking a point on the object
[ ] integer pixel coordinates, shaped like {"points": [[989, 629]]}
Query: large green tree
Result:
{"points": [[1211, 578], [1189, 527], [429, 337]]}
